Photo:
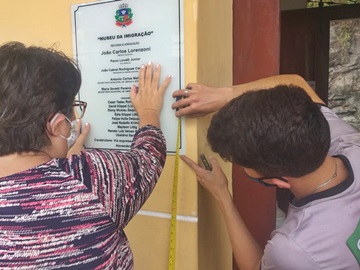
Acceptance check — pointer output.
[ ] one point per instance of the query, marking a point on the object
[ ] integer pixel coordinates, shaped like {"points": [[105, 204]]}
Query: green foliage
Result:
{"points": [[326, 3]]}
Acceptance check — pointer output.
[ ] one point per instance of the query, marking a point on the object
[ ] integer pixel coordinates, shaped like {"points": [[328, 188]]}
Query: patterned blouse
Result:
{"points": [[70, 213]]}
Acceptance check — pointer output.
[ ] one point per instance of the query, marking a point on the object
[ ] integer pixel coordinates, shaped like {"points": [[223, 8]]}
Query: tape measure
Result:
{"points": [[174, 202]]}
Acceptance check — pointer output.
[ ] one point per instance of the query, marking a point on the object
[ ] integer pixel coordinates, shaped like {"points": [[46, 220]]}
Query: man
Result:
{"points": [[282, 134]]}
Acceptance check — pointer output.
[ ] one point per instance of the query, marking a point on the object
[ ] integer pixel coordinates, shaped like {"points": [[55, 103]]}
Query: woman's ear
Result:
{"points": [[280, 183], [53, 124]]}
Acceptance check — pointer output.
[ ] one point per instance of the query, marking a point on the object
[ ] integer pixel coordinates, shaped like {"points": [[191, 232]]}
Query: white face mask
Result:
{"points": [[73, 133]]}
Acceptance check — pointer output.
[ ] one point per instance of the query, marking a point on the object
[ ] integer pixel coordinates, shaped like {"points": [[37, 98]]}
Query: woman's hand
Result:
{"points": [[214, 181], [200, 100], [147, 99], [78, 146]]}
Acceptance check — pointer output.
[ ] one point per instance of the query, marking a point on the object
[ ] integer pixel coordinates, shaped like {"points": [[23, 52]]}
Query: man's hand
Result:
{"points": [[214, 181], [200, 100]]}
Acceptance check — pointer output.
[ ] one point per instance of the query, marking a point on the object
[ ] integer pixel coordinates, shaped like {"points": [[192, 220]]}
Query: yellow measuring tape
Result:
{"points": [[172, 253]]}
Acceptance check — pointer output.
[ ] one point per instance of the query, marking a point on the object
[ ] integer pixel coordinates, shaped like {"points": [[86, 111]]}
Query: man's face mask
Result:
{"points": [[260, 180]]}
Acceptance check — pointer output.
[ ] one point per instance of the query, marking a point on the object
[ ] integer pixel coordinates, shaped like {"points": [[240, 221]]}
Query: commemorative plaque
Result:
{"points": [[111, 40]]}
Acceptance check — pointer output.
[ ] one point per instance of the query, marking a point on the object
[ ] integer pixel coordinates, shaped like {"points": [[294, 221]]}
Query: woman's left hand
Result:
{"points": [[148, 98]]}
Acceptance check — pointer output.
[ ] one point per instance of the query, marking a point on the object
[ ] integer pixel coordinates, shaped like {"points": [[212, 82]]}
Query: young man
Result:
{"points": [[282, 134]]}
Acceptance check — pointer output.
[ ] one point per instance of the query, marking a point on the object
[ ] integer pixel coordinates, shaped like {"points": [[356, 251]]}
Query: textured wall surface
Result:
{"points": [[344, 70]]}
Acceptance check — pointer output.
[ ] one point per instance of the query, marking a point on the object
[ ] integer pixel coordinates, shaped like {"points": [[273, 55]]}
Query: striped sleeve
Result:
{"points": [[123, 181]]}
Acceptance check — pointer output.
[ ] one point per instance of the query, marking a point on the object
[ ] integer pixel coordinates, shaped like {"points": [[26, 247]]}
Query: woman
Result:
{"points": [[58, 212]]}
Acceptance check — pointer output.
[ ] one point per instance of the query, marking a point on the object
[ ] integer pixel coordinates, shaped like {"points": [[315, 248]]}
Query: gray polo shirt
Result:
{"points": [[314, 234]]}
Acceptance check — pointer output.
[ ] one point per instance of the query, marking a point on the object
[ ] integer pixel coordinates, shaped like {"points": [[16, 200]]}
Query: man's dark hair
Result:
{"points": [[276, 132], [35, 83]]}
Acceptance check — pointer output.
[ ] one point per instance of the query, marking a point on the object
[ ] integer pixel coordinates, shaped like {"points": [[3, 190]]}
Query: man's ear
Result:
{"points": [[53, 124], [280, 183]]}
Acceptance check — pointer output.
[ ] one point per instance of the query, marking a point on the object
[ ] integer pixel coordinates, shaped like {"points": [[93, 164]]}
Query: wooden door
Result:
{"points": [[256, 47]]}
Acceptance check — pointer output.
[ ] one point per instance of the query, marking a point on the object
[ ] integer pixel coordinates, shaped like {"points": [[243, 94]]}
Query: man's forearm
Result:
{"points": [[246, 251], [273, 81]]}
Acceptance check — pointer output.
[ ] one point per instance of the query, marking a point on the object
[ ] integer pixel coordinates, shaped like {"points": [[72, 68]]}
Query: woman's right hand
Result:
{"points": [[147, 99]]}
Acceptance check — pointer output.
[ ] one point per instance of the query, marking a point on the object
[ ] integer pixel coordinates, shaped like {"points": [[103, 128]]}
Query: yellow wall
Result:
{"points": [[202, 242], [37, 22], [214, 68]]}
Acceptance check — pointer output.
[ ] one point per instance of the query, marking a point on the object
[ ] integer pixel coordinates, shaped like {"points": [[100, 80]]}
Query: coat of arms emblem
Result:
{"points": [[123, 16]]}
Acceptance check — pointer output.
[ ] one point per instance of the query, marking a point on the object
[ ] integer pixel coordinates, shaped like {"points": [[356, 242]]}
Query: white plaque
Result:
{"points": [[111, 40]]}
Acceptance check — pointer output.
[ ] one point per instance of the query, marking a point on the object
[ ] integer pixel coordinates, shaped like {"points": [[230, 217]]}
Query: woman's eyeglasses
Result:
{"points": [[79, 108]]}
